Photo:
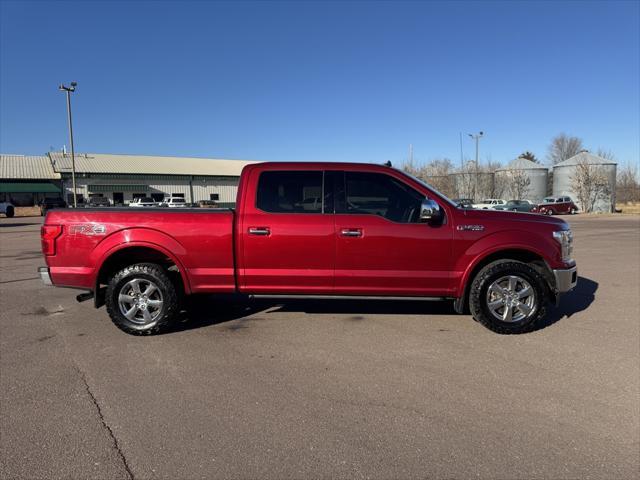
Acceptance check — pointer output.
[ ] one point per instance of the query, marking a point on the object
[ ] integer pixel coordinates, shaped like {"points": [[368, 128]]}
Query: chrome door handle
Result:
{"points": [[259, 231], [351, 232]]}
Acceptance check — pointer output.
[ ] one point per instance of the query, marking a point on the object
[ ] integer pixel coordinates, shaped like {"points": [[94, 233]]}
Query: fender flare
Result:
{"points": [[139, 237], [479, 251]]}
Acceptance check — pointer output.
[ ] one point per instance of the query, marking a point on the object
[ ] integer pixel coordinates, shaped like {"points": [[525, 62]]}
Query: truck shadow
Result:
{"points": [[573, 302], [206, 310], [9, 225]]}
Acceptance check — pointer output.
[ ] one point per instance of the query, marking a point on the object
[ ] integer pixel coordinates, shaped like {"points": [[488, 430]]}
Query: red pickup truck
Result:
{"points": [[321, 229]]}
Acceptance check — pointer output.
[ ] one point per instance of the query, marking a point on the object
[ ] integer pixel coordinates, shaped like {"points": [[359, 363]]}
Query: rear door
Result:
{"points": [[381, 247], [562, 206], [288, 233]]}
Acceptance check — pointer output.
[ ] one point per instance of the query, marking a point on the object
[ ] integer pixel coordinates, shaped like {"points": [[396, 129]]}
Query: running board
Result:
{"points": [[349, 297]]}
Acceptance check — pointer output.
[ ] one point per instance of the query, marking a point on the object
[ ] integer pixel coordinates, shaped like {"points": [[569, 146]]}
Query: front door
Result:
{"points": [[287, 234], [382, 248]]}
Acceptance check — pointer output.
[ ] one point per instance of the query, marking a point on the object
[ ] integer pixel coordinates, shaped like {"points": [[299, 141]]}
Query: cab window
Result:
{"points": [[379, 194], [290, 192]]}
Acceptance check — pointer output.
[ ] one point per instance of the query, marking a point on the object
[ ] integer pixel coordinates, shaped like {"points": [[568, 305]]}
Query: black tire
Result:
{"points": [[549, 212], [146, 274], [10, 212], [479, 299]]}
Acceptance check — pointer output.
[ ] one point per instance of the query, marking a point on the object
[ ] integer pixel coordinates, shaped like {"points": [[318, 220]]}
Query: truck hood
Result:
{"points": [[501, 216]]}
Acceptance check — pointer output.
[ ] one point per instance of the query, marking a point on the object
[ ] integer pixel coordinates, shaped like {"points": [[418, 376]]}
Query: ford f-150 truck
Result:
{"points": [[319, 229]]}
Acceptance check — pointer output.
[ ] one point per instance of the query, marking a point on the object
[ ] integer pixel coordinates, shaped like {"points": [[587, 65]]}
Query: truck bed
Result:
{"points": [[198, 240]]}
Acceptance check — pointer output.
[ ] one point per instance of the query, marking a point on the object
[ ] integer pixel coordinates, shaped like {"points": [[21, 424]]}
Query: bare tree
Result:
{"points": [[563, 147], [500, 185], [628, 185], [590, 183], [520, 183], [438, 167], [513, 183], [465, 180], [606, 154], [410, 167], [489, 179], [438, 173]]}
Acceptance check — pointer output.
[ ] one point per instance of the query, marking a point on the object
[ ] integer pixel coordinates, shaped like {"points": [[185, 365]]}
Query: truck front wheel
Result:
{"points": [[141, 299], [508, 296]]}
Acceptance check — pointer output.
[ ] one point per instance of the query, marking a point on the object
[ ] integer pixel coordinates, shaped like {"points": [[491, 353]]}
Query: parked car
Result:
{"points": [[8, 209], [50, 203], [463, 202], [556, 206], [207, 203], [376, 231], [98, 202], [143, 202], [174, 202], [516, 206], [489, 203]]}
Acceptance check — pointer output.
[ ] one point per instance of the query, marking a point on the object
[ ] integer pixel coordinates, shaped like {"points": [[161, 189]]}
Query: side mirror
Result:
{"points": [[429, 211]]}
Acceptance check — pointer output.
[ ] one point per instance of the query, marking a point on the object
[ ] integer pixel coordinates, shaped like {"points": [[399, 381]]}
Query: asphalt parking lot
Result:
{"points": [[332, 389]]}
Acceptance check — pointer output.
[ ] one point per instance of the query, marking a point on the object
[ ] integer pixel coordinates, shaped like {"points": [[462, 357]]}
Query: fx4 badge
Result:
{"points": [[474, 228], [90, 230]]}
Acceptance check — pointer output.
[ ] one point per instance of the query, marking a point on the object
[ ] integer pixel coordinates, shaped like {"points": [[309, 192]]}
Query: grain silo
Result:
{"points": [[522, 179], [589, 180]]}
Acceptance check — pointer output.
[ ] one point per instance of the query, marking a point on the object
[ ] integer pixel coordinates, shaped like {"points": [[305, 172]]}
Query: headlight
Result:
{"points": [[565, 239]]}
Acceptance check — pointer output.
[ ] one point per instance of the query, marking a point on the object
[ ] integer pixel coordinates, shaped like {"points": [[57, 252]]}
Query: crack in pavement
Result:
{"points": [[116, 444]]}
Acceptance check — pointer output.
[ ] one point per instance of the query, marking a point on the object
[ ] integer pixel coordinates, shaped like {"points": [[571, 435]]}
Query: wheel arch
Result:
{"points": [[521, 254], [138, 252]]}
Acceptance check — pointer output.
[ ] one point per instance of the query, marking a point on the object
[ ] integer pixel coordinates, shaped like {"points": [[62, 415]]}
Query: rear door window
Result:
{"points": [[290, 192]]}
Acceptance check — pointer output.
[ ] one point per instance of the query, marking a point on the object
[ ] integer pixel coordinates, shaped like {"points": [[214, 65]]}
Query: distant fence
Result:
{"points": [[465, 185]]}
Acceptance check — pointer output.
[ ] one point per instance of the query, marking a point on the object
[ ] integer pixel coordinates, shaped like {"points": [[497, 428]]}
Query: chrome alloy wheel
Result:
{"points": [[511, 299], [140, 301]]}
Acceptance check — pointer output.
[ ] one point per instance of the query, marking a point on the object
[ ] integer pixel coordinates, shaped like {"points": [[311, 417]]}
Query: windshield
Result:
{"points": [[425, 184], [177, 200], [147, 200]]}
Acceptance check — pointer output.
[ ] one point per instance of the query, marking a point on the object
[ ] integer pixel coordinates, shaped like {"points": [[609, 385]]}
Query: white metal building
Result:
{"points": [[121, 178], [536, 174], [564, 184], [26, 180]]}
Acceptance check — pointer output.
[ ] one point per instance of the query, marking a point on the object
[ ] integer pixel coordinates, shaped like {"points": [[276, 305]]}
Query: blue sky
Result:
{"points": [[343, 81]]}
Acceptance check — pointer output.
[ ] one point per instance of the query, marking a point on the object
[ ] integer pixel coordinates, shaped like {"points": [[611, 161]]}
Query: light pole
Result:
{"points": [[70, 90], [477, 138]]}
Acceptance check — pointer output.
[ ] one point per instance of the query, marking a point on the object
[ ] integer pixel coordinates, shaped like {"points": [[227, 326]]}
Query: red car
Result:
{"points": [[556, 206], [319, 229]]}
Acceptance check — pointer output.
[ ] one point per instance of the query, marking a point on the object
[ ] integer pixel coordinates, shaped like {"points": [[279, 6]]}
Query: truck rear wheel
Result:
{"points": [[141, 299], [508, 296], [9, 212]]}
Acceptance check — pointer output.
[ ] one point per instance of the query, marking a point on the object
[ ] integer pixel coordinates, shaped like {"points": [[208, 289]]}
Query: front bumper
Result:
{"points": [[566, 280], [44, 275]]}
